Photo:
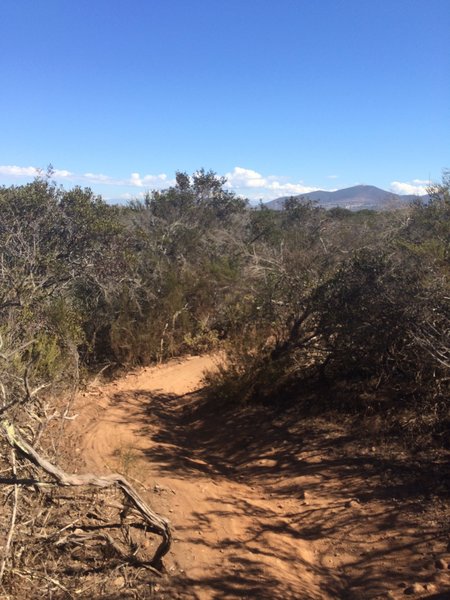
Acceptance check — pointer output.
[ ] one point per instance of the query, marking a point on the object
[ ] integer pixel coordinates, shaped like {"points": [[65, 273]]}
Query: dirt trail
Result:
{"points": [[259, 508]]}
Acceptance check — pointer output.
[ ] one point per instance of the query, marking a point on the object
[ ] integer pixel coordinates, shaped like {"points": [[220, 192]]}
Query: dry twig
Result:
{"points": [[154, 522]]}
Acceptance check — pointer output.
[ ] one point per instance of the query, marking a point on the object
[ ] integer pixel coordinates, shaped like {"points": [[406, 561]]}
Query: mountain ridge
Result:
{"points": [[357, 197]]}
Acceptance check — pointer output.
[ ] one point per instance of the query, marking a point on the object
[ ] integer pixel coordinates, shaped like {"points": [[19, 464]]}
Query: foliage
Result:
{"points": [[349, 301], [295, 297]]}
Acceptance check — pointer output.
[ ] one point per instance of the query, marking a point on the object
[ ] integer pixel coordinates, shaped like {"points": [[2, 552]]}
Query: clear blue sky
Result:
{"points": [[281, 96]]}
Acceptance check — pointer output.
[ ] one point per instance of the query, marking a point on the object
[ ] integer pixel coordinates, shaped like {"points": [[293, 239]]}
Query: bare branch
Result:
{"points": [[154, 522]]}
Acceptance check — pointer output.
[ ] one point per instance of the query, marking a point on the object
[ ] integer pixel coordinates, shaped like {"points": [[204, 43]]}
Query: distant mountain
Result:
{"points": [[353, 198]]}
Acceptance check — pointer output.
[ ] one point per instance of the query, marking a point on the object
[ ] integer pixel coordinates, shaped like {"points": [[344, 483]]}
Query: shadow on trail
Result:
{"points": [[322, 485], [256, 445]]}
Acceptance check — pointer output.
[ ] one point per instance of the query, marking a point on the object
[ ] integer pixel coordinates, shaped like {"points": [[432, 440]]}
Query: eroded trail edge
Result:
{"points": [[259, 507]]}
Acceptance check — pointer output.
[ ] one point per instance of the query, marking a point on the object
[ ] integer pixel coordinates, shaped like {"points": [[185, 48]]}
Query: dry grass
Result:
{"points": [[58, 542]]}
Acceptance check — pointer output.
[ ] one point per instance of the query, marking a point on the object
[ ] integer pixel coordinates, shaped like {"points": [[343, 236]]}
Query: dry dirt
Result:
{"points": [[265, 506]]}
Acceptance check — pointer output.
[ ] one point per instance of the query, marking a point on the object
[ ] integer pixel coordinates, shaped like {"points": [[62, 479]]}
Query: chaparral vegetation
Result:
{"points": [[333, 313]]}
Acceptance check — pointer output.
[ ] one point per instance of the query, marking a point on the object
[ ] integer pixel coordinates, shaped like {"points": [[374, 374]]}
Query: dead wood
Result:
{"points": [[13, 517], [153, 522]]}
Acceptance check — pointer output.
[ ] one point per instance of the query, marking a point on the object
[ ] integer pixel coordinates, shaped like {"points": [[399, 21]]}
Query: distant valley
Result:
{"points": [[357, 197]]}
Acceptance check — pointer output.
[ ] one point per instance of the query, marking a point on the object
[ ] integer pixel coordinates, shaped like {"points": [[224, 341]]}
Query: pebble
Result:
{"points": [[352, 504], [416, 588]]}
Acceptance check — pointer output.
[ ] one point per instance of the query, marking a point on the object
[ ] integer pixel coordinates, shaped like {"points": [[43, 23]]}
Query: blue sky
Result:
{"points": [[281, 97]]}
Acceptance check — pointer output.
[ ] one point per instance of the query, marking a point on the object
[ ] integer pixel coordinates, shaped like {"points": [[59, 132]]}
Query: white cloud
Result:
{"points": [[244, 182], [256, 185], [98, 178], [62, 174], [15, 171], [244, 178], [150, 180], [417, 187], [135, 180], [161, 178], [290, 188]]}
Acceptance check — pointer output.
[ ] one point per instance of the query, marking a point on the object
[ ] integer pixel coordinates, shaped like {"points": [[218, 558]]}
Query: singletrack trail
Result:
{"points": [[257, 510]]}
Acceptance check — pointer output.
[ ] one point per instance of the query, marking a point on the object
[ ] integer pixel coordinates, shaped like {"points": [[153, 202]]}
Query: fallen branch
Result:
{"points": [[153, 522], [13, 517]]}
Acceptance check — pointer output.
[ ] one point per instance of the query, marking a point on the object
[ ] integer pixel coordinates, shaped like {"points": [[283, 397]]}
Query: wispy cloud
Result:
{"points": [[62, 174], [134, 180], [14, 171], [416, 186], [99, 178]]}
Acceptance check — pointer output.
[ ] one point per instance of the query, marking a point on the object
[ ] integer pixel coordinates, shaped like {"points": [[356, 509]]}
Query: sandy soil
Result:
{"points": [[262, 506]]}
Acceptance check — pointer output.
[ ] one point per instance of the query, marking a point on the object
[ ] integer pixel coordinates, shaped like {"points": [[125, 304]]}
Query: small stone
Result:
{"points": [[352, 504], [416, 588], [430, 587], [441, 564], [119, 581]]}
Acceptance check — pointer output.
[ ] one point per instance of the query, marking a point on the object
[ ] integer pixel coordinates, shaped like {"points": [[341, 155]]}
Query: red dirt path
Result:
{"points": [[260, 508]]}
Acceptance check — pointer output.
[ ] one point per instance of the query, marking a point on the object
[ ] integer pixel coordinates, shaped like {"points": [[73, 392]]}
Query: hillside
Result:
{"points": [[353, 198]]}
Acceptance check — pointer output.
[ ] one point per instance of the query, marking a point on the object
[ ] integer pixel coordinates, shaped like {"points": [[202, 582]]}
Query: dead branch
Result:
{"points": [[13, 516], [153, 522]]}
